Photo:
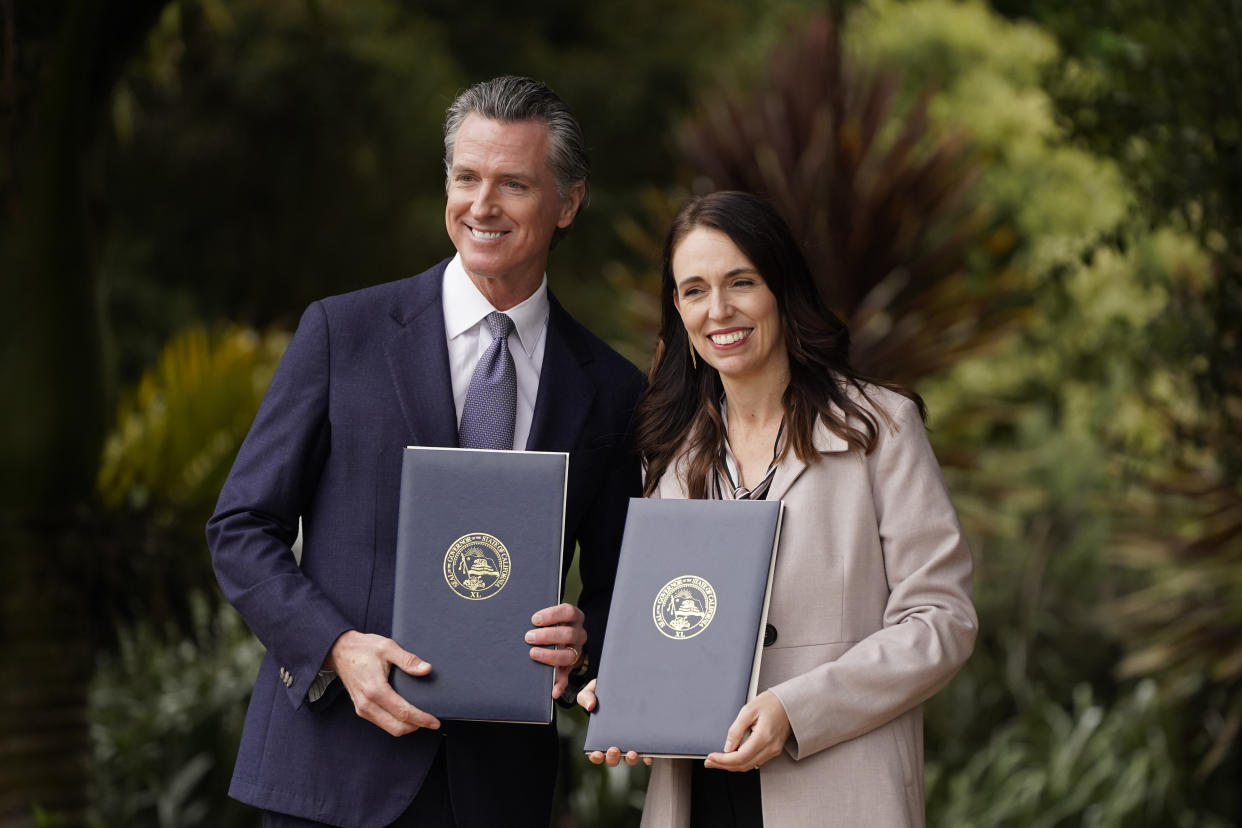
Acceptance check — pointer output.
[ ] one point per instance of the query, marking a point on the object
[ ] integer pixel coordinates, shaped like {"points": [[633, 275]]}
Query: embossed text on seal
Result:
{"points": [[684, 607], [476, 566]]}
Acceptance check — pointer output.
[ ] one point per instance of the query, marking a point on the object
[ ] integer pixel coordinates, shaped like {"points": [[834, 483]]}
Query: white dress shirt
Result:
{"points": [[465, 326]]}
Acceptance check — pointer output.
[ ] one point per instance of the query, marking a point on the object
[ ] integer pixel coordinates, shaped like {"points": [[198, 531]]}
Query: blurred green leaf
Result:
{"points": [[166, 716], [1088, 765], [163, 464], [176, 433]]}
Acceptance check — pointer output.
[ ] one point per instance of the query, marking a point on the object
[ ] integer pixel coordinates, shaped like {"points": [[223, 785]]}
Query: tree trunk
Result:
{"points": [[44, 647], [55, 384]]}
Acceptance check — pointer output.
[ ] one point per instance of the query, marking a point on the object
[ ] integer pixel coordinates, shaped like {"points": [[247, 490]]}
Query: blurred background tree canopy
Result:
{"points": [[1030, 210]]}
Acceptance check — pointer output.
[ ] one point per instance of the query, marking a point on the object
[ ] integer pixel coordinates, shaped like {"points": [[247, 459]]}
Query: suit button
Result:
{"points": [[769, 635]]}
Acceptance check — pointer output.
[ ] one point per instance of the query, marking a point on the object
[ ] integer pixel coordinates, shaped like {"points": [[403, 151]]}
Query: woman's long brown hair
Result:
{"points": [[681, 406]]}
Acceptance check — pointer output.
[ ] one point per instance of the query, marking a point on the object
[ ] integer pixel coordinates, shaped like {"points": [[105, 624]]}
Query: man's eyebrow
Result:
{"points": [[512, 175], [517, 175]]}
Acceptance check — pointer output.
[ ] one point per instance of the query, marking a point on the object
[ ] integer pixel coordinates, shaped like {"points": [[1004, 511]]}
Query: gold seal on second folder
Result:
{"points": [[476, 566], [684, 607]]}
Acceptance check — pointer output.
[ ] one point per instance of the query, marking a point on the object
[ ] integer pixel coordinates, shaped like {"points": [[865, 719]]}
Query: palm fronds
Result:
{"points": [[162, 468]]}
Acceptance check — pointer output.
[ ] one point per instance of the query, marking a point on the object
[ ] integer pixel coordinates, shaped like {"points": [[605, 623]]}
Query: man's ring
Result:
{"points": [[573, 650]]}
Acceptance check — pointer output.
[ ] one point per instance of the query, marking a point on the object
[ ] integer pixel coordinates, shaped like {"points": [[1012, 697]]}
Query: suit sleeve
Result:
{"points": [[255, 523], [599, 539], [929, 622]]}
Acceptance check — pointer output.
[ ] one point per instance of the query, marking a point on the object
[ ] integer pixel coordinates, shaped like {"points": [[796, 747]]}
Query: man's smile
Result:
{"points": [[486, 235]]}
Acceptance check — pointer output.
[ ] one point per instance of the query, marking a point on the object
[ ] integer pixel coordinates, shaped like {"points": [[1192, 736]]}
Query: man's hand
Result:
{"points": [[561, 626], [361, 661], [758, 734]]}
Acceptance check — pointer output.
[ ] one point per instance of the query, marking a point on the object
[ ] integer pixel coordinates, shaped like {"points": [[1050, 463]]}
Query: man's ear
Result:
{"points": [[570, 205]]}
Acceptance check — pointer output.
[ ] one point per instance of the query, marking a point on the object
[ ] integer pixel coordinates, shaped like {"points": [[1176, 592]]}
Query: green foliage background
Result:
{"points": [[246, 158]]}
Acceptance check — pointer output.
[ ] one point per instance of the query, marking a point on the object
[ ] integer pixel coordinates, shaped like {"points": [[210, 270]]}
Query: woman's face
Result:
{"points": [[727, 308]]}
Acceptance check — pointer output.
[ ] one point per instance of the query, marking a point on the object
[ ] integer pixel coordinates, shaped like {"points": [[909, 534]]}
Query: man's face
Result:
{"points": [[503, 205]]}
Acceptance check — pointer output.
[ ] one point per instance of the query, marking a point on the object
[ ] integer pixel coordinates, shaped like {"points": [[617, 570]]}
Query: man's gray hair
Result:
{"points": [[510, 99]]}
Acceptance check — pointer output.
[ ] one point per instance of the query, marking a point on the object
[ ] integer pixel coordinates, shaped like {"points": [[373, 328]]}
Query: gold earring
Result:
{"points": [[693, 362]]}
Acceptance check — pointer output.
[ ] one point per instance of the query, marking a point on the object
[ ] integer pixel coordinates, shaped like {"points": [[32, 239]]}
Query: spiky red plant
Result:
{"points": [[885, 205]]}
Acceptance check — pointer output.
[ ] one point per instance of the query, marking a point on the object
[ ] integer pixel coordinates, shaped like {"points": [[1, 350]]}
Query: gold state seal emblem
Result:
{"points": [[684, 607], [476, 566]]}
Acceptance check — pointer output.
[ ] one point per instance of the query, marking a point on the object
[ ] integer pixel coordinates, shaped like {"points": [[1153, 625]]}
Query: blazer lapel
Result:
{"points": [[825, 441], [418, 361], [565, 388]]}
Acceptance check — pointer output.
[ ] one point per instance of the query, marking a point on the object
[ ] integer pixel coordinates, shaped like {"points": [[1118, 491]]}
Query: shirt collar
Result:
{"points": [[465, 307]]}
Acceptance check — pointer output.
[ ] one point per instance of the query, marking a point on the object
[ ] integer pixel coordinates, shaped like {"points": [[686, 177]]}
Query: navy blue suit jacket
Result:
{"points": [[365, 375]]}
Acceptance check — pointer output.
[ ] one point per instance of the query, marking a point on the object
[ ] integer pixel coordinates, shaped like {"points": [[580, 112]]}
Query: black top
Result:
{"points": [[724, 799], [720, 798]]}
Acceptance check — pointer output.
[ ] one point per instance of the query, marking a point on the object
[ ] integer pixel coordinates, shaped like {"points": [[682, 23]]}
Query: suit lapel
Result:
{"points": [[565, 388], [418, 361]]}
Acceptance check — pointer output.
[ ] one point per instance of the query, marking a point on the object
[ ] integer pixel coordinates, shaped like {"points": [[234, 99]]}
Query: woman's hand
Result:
{"points": [[612, 757], [586, 696], [768, 725]]}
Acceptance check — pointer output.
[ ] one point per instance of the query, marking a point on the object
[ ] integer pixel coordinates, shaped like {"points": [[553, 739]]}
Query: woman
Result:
{"points": [[752, 396]]}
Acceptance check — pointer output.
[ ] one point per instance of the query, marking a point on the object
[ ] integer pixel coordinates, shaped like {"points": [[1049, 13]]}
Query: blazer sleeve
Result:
{"points": [[929, 621], [256, 520]]}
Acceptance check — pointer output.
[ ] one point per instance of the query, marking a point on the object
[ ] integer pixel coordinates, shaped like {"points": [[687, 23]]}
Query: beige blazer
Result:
{"points": [[872, 607]]}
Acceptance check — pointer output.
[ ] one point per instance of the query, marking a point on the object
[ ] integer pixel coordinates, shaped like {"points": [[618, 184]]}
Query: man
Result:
{"points": [[327, 740]]}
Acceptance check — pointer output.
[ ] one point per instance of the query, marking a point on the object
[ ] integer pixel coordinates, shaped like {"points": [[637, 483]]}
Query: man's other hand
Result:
{"points": [[561, 627], [362, 663]]}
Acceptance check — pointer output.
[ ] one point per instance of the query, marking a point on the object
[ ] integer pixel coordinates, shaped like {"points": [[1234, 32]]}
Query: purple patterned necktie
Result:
{"points": [[491, 403]]}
